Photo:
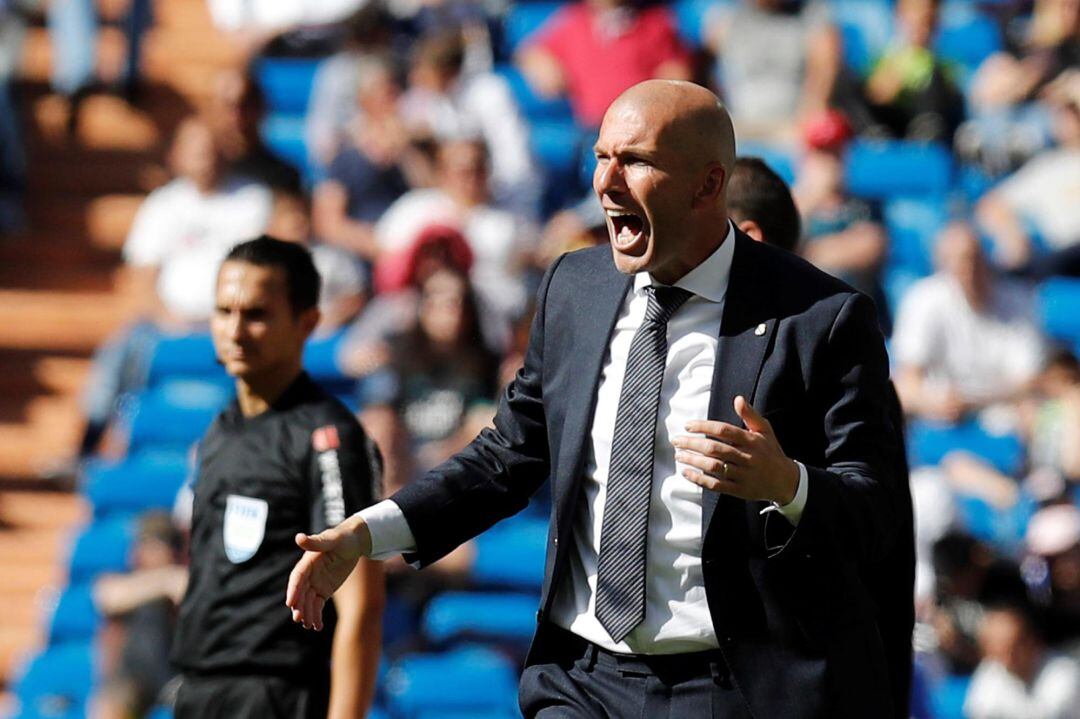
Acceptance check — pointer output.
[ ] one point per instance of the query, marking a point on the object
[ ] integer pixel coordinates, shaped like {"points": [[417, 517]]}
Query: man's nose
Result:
{"points": [[608, 177]]}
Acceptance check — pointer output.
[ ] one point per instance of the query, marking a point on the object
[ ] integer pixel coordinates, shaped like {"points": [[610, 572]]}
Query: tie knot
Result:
{"points": [[663, 302]]}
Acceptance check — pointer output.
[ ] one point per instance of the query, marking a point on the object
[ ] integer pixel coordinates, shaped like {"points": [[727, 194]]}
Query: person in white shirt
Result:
{"points": [[1019, 678], [445, 102], [964, 339]]}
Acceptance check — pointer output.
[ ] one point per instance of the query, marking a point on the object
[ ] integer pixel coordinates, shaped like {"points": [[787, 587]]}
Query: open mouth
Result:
{"points": [[629, 227]]}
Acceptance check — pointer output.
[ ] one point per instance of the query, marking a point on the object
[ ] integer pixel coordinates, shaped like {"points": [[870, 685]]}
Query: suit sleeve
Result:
{"points": [[853, 504], [494, 476]]}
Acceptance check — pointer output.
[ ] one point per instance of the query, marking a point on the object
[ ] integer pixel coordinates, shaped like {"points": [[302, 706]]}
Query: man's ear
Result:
{"points": [[753, 229], [309, 320], [712, 187]]}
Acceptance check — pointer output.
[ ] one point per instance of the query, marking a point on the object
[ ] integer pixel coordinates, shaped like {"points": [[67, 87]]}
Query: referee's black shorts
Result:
{"points": [[252, 697]]}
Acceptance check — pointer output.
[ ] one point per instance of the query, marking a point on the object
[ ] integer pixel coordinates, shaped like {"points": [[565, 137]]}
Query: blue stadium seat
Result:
{"points": [[320, 358], [525, 18], [57, 683], [75, 618], [947, 696], [146, 480], [163, 712], [913, 224], [286, 82], [692, 18], [556, 144], [101, 547], [866, 27], [485, 616], [929, 443], [880, 169], [511, 554], [533, 107], [184, 357], [779, 159], [284, 134], [1002, 527], [476, 681], [173, 415], [966, 37], [1059, 309]]}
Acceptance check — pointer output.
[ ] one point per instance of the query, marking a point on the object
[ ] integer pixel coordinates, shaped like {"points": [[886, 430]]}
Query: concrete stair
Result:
{"points": [[59, 294]]}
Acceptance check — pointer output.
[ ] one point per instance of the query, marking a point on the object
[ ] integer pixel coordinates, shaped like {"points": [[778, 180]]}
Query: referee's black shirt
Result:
{"points": [[302, 466]]}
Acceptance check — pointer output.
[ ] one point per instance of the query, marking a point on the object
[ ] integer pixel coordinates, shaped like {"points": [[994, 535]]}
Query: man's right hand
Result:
{"points": [[329, 558]]}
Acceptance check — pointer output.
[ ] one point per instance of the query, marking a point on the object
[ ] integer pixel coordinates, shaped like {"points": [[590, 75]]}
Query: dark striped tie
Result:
{"points": [[624, 534]]}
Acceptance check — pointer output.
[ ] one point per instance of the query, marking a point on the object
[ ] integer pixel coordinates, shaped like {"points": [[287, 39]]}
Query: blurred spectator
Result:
{"points": [[367, 174], [333, 107], [1010, 124], [500, 241], [183, 230], [1053, 571], [911, 92], [1042, 198], [445, 103], [760, 204], [393, 310], [344, 289], [778, 63], [964, 340], [140, 610], [1052, 423], [73, 28], [179, 236], [1019, 678], [581, 225], [842, 234], [237, 107], [593, 50], [968, 576], [12, 154], [250, 24], [440, 379]]}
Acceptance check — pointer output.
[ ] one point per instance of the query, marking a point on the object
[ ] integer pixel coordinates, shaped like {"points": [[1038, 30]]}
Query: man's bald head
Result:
{"points": [[664, 156], [687, 116]]}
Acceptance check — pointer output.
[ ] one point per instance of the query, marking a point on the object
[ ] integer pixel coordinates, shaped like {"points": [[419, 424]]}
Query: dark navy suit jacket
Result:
{"points": [[796, 623]]}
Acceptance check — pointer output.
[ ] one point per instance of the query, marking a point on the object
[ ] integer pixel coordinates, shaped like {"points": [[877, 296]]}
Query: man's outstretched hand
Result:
{"points": [[329, 558]]}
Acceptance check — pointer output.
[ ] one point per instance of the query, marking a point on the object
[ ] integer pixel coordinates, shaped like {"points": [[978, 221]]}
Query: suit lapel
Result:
{"points": [[746, 330], [592, 336]]}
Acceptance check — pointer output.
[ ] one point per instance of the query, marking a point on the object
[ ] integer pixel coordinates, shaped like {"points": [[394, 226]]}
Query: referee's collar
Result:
{"points": [[293, 395]]}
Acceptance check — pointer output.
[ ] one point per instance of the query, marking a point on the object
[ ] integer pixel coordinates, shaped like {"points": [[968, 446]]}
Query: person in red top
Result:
{"points": [[595, 49]]}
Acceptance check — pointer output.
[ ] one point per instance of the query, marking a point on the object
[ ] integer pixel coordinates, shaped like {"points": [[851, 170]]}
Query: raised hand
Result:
{"points": [[329, 558], [747, 463]]}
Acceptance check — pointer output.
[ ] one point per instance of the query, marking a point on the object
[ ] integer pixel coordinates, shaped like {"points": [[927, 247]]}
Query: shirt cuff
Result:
{"points": [[390, 532], [793, 510]]}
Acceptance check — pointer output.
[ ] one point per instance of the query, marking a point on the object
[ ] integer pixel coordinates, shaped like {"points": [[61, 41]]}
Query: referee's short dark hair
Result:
{"points": [[295, 261], [756, 193]]}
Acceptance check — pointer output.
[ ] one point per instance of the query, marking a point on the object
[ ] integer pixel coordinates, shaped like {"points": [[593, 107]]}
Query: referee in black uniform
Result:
{"points": [[284, 458]]}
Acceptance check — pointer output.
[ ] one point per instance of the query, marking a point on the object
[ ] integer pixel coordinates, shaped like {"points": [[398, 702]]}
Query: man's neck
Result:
{"points": [[257, 395]]}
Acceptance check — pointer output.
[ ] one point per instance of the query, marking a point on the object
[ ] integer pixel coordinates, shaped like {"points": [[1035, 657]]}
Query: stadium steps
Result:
{"points": [[37, 524], [59, 294]]}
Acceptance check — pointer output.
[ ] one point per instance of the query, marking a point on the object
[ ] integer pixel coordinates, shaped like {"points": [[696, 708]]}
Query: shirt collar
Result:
{"points": [[709, 279]]}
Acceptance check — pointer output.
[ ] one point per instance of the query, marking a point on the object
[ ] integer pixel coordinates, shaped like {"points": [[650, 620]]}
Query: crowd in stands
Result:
{"points": [[436, 157]]}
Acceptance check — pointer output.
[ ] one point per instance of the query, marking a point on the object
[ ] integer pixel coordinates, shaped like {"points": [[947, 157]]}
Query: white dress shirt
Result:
{"points": [[676, 611]]}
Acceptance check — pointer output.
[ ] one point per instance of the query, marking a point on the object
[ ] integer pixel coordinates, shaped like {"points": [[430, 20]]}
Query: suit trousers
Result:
{"points": [[583, 681]]}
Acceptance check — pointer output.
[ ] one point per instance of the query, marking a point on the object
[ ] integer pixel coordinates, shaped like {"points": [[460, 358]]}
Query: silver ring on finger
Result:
{"points": [[723, 469]]}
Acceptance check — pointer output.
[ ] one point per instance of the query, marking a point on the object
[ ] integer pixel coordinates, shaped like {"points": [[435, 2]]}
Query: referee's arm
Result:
{"points": [[347, 477], [357, 638]]}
